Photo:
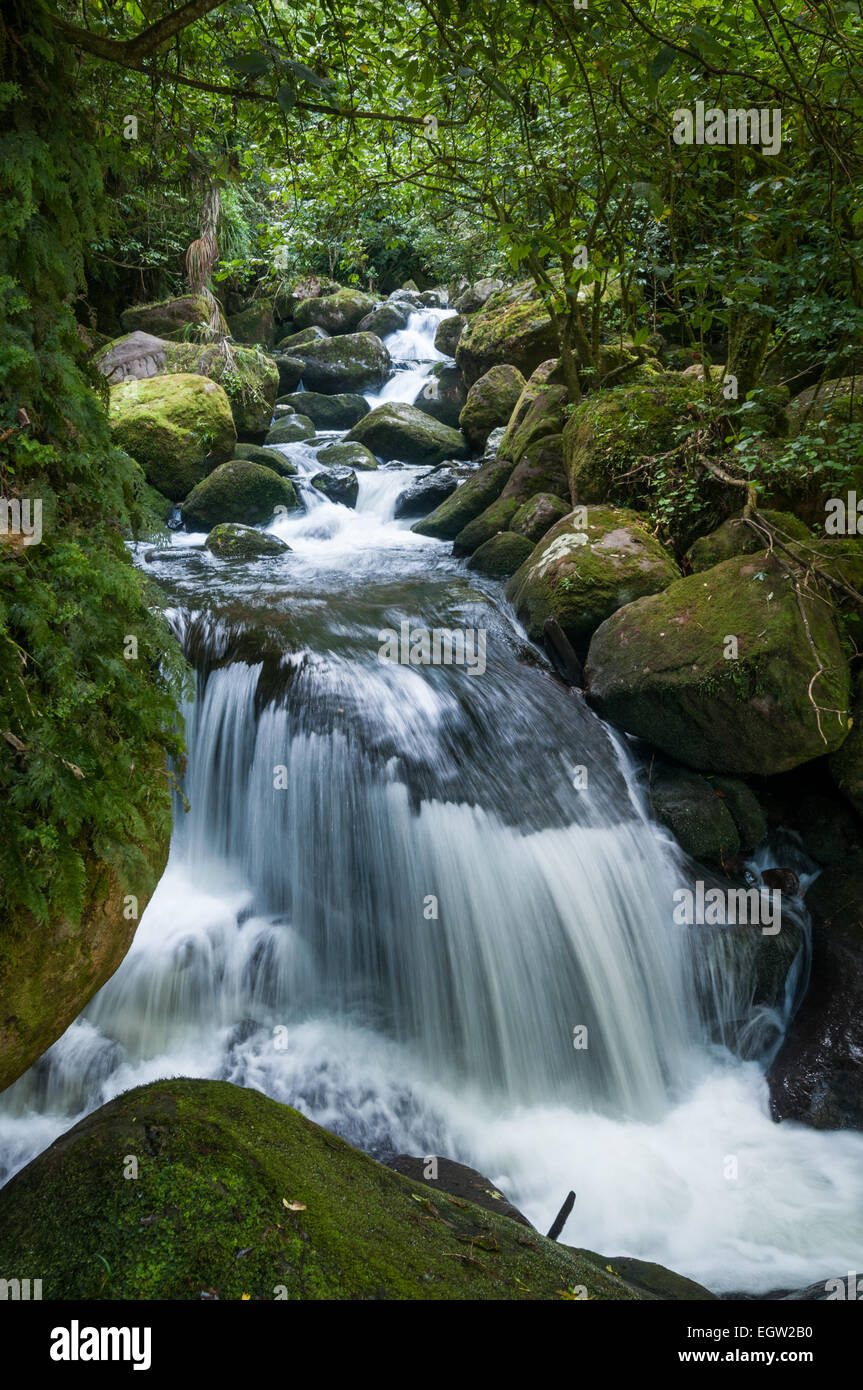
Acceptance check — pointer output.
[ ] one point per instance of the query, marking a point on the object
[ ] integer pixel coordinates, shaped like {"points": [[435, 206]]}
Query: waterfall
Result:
{"points": [[428, 907]]}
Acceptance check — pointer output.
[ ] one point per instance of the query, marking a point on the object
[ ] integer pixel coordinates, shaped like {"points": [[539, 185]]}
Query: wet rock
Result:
{"points": [[238, 491], [301, 339], [784, 880], [459, 1181], [474, 495], [478, 294], [232, 542], [268, 458], [501, 555], [385, 319], [337, 313], [537, 516], [698, 819], [421, 495], [496, 517], [328, 412], [443, 396], [293, 429], [490, 403], [398, 431], [355, 456], [339, 484], [255, 324], [353, 362], [448, 332], [512, 326]]}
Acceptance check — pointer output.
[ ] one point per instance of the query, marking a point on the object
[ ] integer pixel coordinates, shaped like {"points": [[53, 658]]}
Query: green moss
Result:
{"points": [[255, 324], [268, 458], [177, 427], [490, 402], [166, 317], [398, 431], [466, 503], [496, 517], [501, 555], [544, 415], [736, 537], [352, 455], [513, 326], [540, 469], [538, 514], [291, 429], [232, 542], [249, 377], [238, 491], [241, 1196]]}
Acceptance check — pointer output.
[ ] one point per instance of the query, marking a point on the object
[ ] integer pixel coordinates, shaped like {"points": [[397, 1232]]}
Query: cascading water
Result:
{"points": [[398, 903]]}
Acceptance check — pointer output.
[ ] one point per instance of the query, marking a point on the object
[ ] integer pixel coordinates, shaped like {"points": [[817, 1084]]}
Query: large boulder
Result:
{"points": [[512, 326], [826, 405], [816, 1076], [443, 395], [291, 429], [301, 339], [501, 555], [496, 517], [399, 431], [232, 542], [729, 670], [737, 537], [351, 363], [177, 427], [239, 1197], [476, 295], [540, 469], [254, 324], [290, 370], [269, 457], [167, 318], [548, 373], [385, 319], [490, 403], [134, 357], [423, 494], [447, 334], [352, 455], [336, 313], [474, 495], [536, 417], [538, 514], [328, 412], [238, 491], [594, 561], [697, 816], [338, 484]]}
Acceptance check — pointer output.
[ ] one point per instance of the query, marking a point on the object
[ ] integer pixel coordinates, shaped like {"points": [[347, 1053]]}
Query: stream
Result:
{"points": [[396, 903]]}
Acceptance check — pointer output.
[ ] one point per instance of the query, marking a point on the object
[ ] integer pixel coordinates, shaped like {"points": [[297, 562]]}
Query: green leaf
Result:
{"points": [[649, 194], [661, 62], [308, 75], [286, 96], [249, 64]]}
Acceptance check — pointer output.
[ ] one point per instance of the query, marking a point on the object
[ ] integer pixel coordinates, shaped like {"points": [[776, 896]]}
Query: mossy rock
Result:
{"points": [[501, 555], [746, 810], [242, 1196], [448, 333], [232, 542], [652, 1279], [548, 373], [328, 412], [338, 484], [736, 537], [250, 378], [513, 326], [336, 313], [443, 396], [660, 669], [293, 429], [238, 491], [540, 417], [697, 816], [255, 324], [540, 469], [399, 431], [538, 514], [301, 339], [50, 972], [384, 320], [352, 455], [611, 431], [290, 370], [466, 503], [490, 402], [826, 405], [165, 318], [177, 427], [592, 562], [496, 517], [846, 765], [354, 362], [268, 458]]}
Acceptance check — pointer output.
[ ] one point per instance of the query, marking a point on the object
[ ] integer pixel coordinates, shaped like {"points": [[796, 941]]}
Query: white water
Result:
{"points": [[288, 947]]}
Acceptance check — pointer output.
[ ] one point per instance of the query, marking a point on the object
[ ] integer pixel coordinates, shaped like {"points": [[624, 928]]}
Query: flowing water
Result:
{"points": [[426, 905]]}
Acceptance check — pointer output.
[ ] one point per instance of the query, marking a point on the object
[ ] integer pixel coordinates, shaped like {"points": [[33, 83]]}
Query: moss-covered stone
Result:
{"points": [[255, 324], [586, 567], [385, 319], [167, 317], [655, 1280], [292, 429], [339, 484], [512, 326], [337, 313], [826, 405], [245, 1197], [538, 515], [399, 431], [443, 395], [448, 333], [232, 542], [496, 517], [490, 402], [177, 427], [268, 458], [460, 508], [328, 412], [354, 362], [50, 972], [696, 815], [250, 378], [352, 455], [540, 469], [660, 668], [238, 491], [301, 339], [746, 810], [290, 370], [501, 555], [737, 537], [534, 419]]}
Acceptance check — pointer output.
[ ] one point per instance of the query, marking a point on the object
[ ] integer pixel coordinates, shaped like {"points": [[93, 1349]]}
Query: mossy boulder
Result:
{"points": [[167, 318], [268, 458], [339, 485], [846, 765], [490, 402], [737, 537], [292, 429], [696, 815], [352, 455], [399, 431], [443, 395], [232, 542], [512, 326], [548, 373], [537, 516], [501, 555], [826, 405], [290, 370], [592, 562], [611, 431], [466, 503], [50, 971], [352, 363], [238, 491], [542, 417], [496, 517], [540, 469], [448, 333], [177, 427], [476, 295], [254, 324], [328, 412], [250, 378], [663, 668], [301, 339], [423, 494], [745, 809], [384, 320], [244, 1197], [336, 313]]}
